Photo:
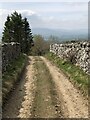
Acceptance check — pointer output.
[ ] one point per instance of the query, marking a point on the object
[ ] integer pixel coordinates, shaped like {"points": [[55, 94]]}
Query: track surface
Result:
{"points": [[45, 92]]}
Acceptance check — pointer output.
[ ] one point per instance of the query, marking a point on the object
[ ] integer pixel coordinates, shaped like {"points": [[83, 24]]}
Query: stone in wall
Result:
{"points": [[10, 52], [77, 53]]}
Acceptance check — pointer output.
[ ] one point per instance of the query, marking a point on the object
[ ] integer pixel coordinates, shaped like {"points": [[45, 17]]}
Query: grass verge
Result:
{"points": [[13, 73], [79, 78]]}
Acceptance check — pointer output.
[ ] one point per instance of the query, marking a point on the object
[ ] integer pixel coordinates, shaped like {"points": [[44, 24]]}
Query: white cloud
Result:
{"points": [[64, 7], [5, 12], [27, 12], [68, 14]]}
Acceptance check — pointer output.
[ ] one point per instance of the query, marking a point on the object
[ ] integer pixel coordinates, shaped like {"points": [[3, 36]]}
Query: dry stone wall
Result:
{"points": [[77, 52], [10, 52]]}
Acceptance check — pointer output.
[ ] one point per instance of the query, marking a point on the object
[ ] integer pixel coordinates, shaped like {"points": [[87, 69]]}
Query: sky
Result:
{"points": [[72, 14]]}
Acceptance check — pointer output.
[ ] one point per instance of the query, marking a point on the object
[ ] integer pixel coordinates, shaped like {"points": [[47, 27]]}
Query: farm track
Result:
{"points": [[45, 92]]}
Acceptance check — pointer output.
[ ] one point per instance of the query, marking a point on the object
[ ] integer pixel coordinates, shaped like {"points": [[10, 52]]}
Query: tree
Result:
{"points": [[7, 31], [17, 25], [53, 39], [40, 45], [18, 30], [27, 36]]}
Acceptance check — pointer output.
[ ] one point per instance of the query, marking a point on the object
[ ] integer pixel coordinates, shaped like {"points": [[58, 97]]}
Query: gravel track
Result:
{"points": [[48, 95], [76, 104]]}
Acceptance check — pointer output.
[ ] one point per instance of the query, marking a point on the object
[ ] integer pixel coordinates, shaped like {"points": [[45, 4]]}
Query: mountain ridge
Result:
{"points": [[62, 33]]}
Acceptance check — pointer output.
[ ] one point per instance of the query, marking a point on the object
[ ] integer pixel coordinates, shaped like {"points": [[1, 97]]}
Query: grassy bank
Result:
{"points": [[75, 74], [12, 74]]}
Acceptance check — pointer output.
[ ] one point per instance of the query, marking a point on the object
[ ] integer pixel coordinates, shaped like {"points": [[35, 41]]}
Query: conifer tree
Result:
{"points": [[18, 30], [27, 35], [7, 33]]}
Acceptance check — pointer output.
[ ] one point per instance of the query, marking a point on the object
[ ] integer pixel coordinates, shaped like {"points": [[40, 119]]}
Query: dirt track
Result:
{"points": [[45, 92]]}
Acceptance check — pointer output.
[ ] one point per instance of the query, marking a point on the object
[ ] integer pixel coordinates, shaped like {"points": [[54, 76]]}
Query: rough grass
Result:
{"points": [[75, 74], [12, 74]]}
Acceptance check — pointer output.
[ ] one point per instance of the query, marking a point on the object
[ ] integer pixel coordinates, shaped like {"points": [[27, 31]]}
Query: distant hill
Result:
{"points": [[62, 33]]}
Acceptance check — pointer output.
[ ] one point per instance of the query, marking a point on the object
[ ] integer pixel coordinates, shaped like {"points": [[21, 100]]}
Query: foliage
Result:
{"points": [[53, 39], [18, 30], [40, 45], [12, 74]]}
